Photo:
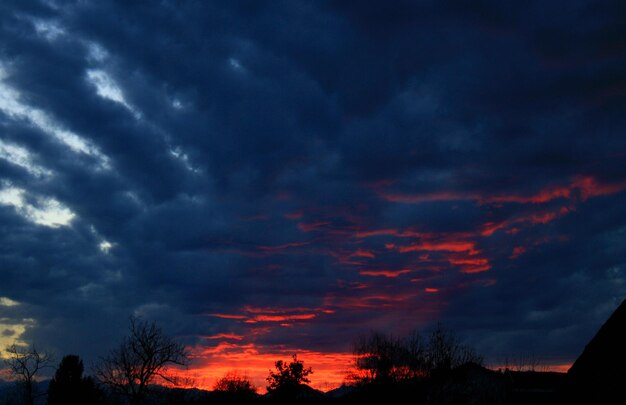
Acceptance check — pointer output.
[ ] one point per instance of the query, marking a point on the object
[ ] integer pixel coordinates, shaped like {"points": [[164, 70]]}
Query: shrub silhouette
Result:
{"points": [[233, 383]]}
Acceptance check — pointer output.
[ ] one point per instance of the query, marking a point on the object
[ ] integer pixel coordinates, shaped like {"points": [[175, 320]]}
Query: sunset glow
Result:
{"points": [[261, 179], [329, 369]]}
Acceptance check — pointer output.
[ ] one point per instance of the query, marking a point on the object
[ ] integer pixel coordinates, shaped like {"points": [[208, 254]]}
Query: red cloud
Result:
{"points": [[312, 226], [364, 253], [280, 318], [228, 316], [392, 232], [590, 187], [428, 197], [384, 273], [517, 251], [469, 262], [232, 336], [471, 269], [544, 196], [252, 315], [285, 246], [451, 246], [586, 186], [374, 301]]}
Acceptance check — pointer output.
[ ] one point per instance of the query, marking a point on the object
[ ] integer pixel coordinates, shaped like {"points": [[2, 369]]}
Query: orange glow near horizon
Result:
{"points": [[554, 368], [253, 362], [558, 368]]}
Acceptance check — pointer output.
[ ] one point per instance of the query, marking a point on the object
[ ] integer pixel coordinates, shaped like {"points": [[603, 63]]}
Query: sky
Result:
{"points": [[265, 178]]}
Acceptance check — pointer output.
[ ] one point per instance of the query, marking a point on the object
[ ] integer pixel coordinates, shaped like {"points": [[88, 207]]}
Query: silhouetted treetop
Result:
{"points": [[234, 383], [68, 386], [445, 352], [288, 376], [70, 370], [384, 359]]}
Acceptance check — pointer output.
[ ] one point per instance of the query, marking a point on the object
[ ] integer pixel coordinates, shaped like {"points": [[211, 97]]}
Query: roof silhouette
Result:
{"points": [[599, 371]]}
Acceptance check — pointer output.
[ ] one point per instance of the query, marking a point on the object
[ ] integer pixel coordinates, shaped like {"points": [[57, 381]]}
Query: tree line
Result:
{"points": [[143, 361]]}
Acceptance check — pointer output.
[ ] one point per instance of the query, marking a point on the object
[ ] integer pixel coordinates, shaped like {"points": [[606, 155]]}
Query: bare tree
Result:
{"points": [[415, 348], [142, 359], [377, 357], [24, 364], [522, 362], [445, 351], [385, 359]]}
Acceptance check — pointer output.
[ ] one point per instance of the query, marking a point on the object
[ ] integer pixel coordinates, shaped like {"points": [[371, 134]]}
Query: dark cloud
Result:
{"points": [[289, 175]]}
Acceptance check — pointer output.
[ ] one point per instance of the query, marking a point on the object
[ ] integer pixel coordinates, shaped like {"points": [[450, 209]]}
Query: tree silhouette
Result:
{"points": [[376, 356], [385, 359], [233, 383], [68, 386], [445, 352], [288, 377], [24, 364], [142, 359]]}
